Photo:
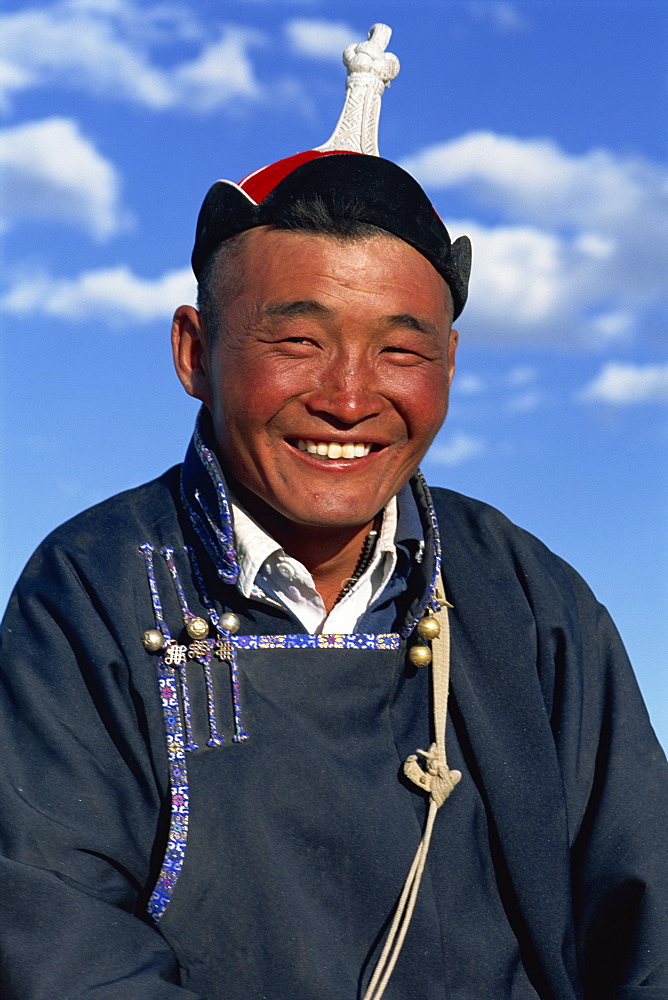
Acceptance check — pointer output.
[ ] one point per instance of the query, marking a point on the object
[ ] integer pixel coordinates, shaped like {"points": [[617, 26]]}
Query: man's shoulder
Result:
{"points": [[104, 533], [456, 511], [139, 507], [476, 534]]}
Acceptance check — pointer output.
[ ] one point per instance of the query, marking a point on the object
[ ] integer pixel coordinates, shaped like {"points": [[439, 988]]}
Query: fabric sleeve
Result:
{"points": [[81, 802], [619, 814]]}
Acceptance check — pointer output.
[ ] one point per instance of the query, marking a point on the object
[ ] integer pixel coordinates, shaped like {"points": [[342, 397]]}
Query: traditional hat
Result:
{"points": [[345, 170]]}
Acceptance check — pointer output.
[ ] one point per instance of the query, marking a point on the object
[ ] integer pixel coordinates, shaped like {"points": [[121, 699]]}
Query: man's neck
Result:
{"points": [[331, 555]]}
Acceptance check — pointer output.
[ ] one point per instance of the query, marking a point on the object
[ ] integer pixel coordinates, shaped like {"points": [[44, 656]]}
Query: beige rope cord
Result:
{"points": [[439, 781]]}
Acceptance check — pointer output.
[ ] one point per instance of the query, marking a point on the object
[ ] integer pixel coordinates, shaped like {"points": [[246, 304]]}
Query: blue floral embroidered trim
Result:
{"points": [[167, 554], [161, 624], [216, 534], [225, 649], [178, 779], [391, 640], [430, 602]]}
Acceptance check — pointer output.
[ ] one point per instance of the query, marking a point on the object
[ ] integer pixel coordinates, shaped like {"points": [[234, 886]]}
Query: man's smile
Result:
{"points": [[333, 449]]}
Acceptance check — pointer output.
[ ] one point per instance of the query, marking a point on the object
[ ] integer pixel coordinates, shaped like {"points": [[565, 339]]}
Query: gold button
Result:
{"points": [[428, 628], [230, 622], [197, 628], [152, 640], [420, 656]]}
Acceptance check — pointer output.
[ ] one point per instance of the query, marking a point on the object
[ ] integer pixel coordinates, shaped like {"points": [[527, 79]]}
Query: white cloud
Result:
{"points": [[622, 384], [530, 285], [468, 385], [522, 375], [50, 170], [113, 294], [593, 245], [222, 72], [12, 77], [615, 325], [506, 17], [536, 181], [106, 47], [517, 276], [320, 39], [525, 402], [459, 448], [576, 252]]}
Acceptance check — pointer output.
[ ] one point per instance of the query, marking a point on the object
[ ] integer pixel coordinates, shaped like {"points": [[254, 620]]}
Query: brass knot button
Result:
{"points": [[428, 628], [152, 640], [197, 628], [420, 656], [229, 622]]}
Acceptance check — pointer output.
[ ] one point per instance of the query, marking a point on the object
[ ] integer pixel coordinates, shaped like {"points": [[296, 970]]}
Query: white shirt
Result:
{"points": [[266, 570]]}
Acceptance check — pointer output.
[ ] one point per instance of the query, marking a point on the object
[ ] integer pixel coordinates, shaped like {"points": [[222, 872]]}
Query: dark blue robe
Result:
{"points": [[547, 873]]}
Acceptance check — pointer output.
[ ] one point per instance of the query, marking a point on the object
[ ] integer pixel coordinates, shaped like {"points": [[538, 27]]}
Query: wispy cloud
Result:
{"points": [[222, 72], [525, 402], [114, 295], [576, 256], [51, 171], [536, 181], [468, 385], [521, 375], [320, 39], [106, 47], [459, 448], [623, 384], [505, 17]]}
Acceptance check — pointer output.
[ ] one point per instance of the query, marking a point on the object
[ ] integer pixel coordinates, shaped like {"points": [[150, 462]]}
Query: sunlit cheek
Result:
{"points": [[423, 404]]}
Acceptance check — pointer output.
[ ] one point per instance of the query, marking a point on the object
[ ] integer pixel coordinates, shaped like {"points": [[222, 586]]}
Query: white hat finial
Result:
{"points": [[370, 70]]}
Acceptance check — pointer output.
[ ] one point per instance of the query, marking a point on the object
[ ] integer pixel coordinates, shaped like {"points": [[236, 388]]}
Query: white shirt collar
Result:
{"points": [[265, 569]]}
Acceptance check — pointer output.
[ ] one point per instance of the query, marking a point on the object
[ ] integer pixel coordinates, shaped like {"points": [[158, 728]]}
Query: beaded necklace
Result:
{"points": [[366, 556]]}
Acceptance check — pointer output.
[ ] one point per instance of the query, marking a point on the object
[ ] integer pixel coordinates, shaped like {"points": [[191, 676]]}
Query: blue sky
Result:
{"points": [[537, 128]]}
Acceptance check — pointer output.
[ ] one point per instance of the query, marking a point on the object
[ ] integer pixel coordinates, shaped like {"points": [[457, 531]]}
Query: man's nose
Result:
{"points": [[346, 394]]}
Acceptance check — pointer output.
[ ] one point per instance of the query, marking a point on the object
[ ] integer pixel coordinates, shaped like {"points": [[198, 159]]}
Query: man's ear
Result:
{"points": [[452, 350], [191, 353]]}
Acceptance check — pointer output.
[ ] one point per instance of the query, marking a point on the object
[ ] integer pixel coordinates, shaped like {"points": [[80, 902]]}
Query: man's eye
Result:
{"points": [[291, 344], [402, 352]]}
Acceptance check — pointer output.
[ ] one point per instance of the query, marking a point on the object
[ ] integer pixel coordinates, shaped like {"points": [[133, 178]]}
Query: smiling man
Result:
{"points": [[326, 383], [216, 685]]}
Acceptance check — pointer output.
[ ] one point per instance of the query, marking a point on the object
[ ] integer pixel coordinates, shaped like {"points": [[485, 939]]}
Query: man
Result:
{"points": [[212, 681]]}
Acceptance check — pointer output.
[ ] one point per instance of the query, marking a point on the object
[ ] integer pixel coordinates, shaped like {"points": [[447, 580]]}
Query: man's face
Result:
{"points": [[339, 348]]}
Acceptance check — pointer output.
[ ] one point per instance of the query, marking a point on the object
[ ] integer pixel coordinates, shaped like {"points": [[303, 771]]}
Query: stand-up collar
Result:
{"points": [[207, 502], [204, 497]]}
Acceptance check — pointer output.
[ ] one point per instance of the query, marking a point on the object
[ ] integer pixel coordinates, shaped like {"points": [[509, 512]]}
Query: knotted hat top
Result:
{"points": [[346, 170]]}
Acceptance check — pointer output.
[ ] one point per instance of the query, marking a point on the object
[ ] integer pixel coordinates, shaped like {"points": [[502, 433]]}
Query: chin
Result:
{"points": [[343, 515]]}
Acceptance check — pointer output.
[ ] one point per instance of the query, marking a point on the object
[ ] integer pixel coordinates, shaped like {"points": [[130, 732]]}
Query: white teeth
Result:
{"points": [[333, 450]]}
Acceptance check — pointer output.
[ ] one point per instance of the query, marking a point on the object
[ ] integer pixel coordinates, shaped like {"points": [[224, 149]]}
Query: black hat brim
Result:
{"points": [[384, 195]]}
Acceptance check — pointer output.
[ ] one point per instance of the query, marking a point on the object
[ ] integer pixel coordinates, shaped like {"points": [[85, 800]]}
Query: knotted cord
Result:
{"points": [[439, 781]]}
